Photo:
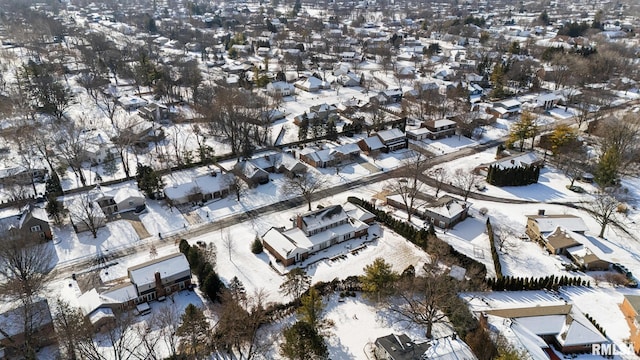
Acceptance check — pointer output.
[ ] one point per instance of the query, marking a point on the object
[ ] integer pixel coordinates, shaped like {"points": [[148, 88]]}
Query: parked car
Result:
{"points": [[576, 189]]}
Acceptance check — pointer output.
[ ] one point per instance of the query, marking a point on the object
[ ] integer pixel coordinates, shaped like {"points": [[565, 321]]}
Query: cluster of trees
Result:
{"points": [[202, 266], [513, 176], [552, 282]]}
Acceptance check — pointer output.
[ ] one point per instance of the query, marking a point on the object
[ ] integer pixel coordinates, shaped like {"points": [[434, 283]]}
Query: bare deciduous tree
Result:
{"points": [[423, 300], [465, 181], [603, 208], [305, 185], [86, 212], [408, 186]]}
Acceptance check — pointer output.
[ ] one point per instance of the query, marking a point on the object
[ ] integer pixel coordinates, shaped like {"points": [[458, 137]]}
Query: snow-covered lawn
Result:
{"points": [[70, 245]]}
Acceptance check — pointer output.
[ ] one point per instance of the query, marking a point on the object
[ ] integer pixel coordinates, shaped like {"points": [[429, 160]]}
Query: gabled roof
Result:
{"points": [[391, 134], [13, 320], [401, 347], [373, 143], [561, 239], [548, 223], [167, 266]]}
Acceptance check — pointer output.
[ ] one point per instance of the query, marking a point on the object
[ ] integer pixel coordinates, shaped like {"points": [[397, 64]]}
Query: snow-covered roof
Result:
{"points": [[167, 266], [390, 135], [524, 160], [548, 223], [508, 104], [323, 217], [373, 142], [542, 325], [443, 122], [578, 330], [101, 313], [356, 212], [12, 320], [530, 341], [448, 349]]}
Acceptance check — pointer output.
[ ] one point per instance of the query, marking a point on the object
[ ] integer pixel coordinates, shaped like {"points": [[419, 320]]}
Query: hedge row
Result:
{"points": [[494, 252], [552, 282]]}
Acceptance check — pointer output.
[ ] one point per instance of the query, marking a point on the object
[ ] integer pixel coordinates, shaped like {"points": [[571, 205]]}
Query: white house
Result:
{"points": [[312, 84], [280, 88]]}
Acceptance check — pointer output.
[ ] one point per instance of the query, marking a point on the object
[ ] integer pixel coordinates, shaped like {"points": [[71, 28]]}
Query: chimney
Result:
{"points": [[159, 287], [540, 212], [299, 221]]}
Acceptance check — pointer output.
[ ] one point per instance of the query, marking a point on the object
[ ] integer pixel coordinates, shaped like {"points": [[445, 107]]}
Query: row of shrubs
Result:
{"points": [[513, 176], [552, 282], [494, 252], [595, 323], [208, 279]]}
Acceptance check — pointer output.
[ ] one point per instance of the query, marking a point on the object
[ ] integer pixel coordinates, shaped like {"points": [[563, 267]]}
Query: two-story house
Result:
{"points": [[313, 232], [440, 128], [30, 224], [392, 139], [280, 88]]}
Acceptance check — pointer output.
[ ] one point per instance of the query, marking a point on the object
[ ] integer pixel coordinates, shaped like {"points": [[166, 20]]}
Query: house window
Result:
{"points": [[130, 203], [36, 228]]}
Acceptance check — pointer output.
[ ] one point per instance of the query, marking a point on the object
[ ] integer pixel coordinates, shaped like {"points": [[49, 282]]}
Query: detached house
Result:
{"points": [[280, 88], [15, 322], [251, 173], [160, 277], [312, 84], [440, 128], [22, 175], [443, 212], [312, 232], [154, 112], [339, 155], [506, 108], [30, 224], [392, 139], [202, 188], [151, 280], [122, 199], [541, 225]]}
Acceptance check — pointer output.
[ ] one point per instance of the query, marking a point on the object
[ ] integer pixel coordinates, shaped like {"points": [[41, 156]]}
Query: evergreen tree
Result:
{"points": [[256, 246], [332, 132], [53, 188], [303, 128], [311, 308], [148, 181], [303, 342], [378, 278], [194, 331]]}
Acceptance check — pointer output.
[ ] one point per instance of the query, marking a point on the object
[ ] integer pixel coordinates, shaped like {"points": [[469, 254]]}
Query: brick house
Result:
{"points": [[313, 232]]}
